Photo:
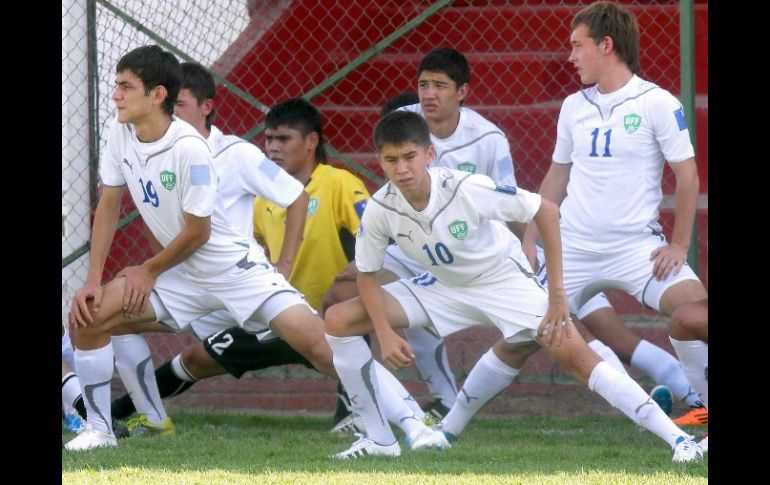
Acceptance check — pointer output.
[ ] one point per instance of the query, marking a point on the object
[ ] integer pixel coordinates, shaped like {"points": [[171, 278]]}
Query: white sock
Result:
{"points": [[431, 360], [625, 394], [488, 378], [355, 367], [179, 370], [134, 363], [95, 374], [694, 359], [67, 354], [664, 369], [394, 406], [70, 392], [608, 355]]}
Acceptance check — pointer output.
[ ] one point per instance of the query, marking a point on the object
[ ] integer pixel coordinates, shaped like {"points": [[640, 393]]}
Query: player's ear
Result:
{"points": [[311, 140], [207, 106], [463, 91], [159, 94]]}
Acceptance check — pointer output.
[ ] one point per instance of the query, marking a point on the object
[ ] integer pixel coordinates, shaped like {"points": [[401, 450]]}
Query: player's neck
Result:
{"points": [[444, 128], [614, 79], [307, 171], [152, 128], [419, 196]]}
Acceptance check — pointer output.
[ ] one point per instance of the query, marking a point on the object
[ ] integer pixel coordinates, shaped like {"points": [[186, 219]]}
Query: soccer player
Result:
{"points": [[612, 141], [337, 198], [454, 220], [205, 264]]}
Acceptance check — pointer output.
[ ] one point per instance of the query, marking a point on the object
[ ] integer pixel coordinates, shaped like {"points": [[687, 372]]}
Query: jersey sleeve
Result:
{"points": [[264, 178], [670, 127], [198, 179], [351, 199], [372, 240], [502, 170], [109, 165], [562, 152], [499, 201]]}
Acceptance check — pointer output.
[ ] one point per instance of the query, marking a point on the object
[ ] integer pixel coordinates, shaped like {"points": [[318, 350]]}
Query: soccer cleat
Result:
{"points": [[139, 426], [119, 429], [449, 436], [662, 395], [74, 423], [89, 439], [436, 409], [687, 450], [366, 447], [428, 439], [352, 423], [696, 416], [704, 443]]}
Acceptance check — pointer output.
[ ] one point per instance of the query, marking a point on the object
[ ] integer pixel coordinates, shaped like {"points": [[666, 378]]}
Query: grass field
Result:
{"points": [[242, 448]]}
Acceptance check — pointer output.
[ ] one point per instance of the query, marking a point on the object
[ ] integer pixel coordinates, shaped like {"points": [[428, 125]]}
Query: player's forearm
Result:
{"points": [[686, 199], [552, 188], [103, 231], [370, 292], [193, 235], [295, 227], [547, 221]]}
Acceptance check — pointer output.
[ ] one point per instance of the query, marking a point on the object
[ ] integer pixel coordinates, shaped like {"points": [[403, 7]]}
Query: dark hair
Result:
{"points": [[399, 127], [155, 67], [199, 81], [606, 19], [448, 61], [300, 115], [399, 100]]}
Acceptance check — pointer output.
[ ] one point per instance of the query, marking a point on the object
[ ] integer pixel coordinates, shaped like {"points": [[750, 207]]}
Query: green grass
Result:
{"points": [[240, 448]]}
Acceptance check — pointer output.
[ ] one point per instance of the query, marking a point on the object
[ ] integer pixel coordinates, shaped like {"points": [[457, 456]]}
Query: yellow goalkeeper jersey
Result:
{"points": [[337, 201]]}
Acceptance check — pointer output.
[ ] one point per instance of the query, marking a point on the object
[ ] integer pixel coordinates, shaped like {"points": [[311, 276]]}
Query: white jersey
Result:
{"points": [[244, 172], [617, 144], [456, 236], [476, 146], [167, 178]]}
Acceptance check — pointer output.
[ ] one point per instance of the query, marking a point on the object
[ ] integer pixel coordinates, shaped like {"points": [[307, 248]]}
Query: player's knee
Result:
{"points": [[199, 363], [334, 321], [514, 355], [689, 320]]}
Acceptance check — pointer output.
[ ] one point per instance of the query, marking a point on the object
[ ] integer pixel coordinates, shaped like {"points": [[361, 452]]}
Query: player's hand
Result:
{"points": [[79, 315], [668, 259], [557, 322], [396, 352], [348, 273], [139, 284]]}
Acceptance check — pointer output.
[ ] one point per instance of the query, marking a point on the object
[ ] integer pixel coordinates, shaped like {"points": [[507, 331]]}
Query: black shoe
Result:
{"points": [[436, 409], [120, 430]]}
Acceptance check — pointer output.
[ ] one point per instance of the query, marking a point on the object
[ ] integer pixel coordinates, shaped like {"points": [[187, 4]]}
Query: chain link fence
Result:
{"points": [[348, 57]]}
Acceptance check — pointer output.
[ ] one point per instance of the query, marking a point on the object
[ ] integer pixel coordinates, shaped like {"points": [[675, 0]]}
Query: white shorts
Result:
{"points": [[629, 270], [595, 303], [400, 264], [252, 294], [510, 298]]}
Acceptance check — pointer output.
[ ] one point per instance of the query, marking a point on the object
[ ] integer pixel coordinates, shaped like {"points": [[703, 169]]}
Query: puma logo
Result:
{"points": [[408, 236], [130, 167], [357, 192], [444, 182], [269, 210]]}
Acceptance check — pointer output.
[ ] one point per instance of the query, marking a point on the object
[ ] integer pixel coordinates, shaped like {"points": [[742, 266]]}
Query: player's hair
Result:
{"points": [[199, 81], [399, 100], [298, 114], [607, 19], [399, 127], [448, 61], [155, 67]]}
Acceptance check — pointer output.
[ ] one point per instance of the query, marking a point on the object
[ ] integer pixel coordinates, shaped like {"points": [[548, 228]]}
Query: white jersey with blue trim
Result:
{"points": [[167, 178], [476, 146], [617, 144], [457, 237], [243, 173]]}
